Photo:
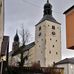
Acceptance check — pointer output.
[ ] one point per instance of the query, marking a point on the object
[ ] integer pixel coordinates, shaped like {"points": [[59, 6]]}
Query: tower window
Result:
{"points": [[53, 33], [50, 52], [53, 27], [40, 34], [56, 40], [50, 39], [56, 52], [53, 45], [39, 45], [39, 28]]}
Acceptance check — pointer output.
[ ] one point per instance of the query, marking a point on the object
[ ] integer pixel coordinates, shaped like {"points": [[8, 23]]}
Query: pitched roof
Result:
{"points": [[22, 49], [66, 61], [69, 9], [49, 18]]}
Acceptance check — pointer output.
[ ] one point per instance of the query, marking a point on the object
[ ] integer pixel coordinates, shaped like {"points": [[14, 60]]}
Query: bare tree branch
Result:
{"points": [[25, 36]]}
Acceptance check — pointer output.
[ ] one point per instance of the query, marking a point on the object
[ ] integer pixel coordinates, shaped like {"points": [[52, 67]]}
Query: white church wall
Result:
{"points": [[40, 43], [53, 43]]}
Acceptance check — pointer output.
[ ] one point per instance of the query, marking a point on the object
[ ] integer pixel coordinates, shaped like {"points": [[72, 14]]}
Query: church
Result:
{"points": [[46, 50]]}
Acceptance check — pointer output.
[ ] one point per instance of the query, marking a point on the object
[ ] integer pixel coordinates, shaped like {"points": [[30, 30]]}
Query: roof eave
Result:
{"points": [[47, 20], [69, 10]]}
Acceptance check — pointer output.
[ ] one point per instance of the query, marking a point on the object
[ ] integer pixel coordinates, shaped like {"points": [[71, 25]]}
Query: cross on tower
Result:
{"points": [[47, 1]]}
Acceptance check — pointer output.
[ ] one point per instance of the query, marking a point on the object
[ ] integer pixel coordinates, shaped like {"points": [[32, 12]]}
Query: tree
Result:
{"points": [[25, 35]]}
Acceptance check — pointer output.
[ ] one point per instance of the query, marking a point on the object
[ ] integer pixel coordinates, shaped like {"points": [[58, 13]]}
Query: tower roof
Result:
{"points": [[48, 13], [16, 38], [47, 8]]}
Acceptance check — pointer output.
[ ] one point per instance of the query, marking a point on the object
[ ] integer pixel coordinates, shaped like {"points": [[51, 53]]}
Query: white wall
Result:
{"points": [[44, 44], [51, 40], [68, 68], [40, 43], [31, 56]]}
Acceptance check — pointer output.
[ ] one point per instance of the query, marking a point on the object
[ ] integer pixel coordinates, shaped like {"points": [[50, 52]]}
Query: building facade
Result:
{"points": [[1, 22], [69, 27]]}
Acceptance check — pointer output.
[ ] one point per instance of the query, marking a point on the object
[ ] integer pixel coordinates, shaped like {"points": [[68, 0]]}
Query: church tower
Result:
{"points": [[16, 42], [48, 38]]}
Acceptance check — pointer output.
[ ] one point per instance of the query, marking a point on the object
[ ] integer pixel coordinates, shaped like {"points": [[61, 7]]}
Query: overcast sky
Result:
{"points": [[29, 12]]}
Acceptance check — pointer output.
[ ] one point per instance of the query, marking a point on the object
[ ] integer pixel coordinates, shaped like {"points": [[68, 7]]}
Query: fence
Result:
{"points": [[31, 70]]}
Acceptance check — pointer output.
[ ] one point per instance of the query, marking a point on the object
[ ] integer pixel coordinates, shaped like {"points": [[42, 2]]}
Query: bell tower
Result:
{"points": [[48, 38], [16, 42]]}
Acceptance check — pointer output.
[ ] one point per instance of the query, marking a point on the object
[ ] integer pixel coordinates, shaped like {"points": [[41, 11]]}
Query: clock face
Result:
{"points": [[53, 33]]}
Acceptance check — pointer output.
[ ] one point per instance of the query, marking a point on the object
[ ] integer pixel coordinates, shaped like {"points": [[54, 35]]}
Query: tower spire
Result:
{"points": [[16, 38], [47, 8], [47, 1], [16, 31]]}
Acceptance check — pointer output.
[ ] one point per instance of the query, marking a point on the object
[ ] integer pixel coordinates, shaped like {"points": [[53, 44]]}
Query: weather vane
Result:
{"points": [[47, 1]]}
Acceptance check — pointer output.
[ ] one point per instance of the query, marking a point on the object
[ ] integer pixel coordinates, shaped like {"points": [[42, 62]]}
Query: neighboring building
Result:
{"points": [[1, 22], [15, 43], [14, 56], [47, 46], [70, 27], [4, 47], [67, 64]]}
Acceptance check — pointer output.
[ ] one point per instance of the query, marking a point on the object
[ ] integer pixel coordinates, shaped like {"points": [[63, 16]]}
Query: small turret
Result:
{"points": [[16, 42], [47, 8], [16, 38]]}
